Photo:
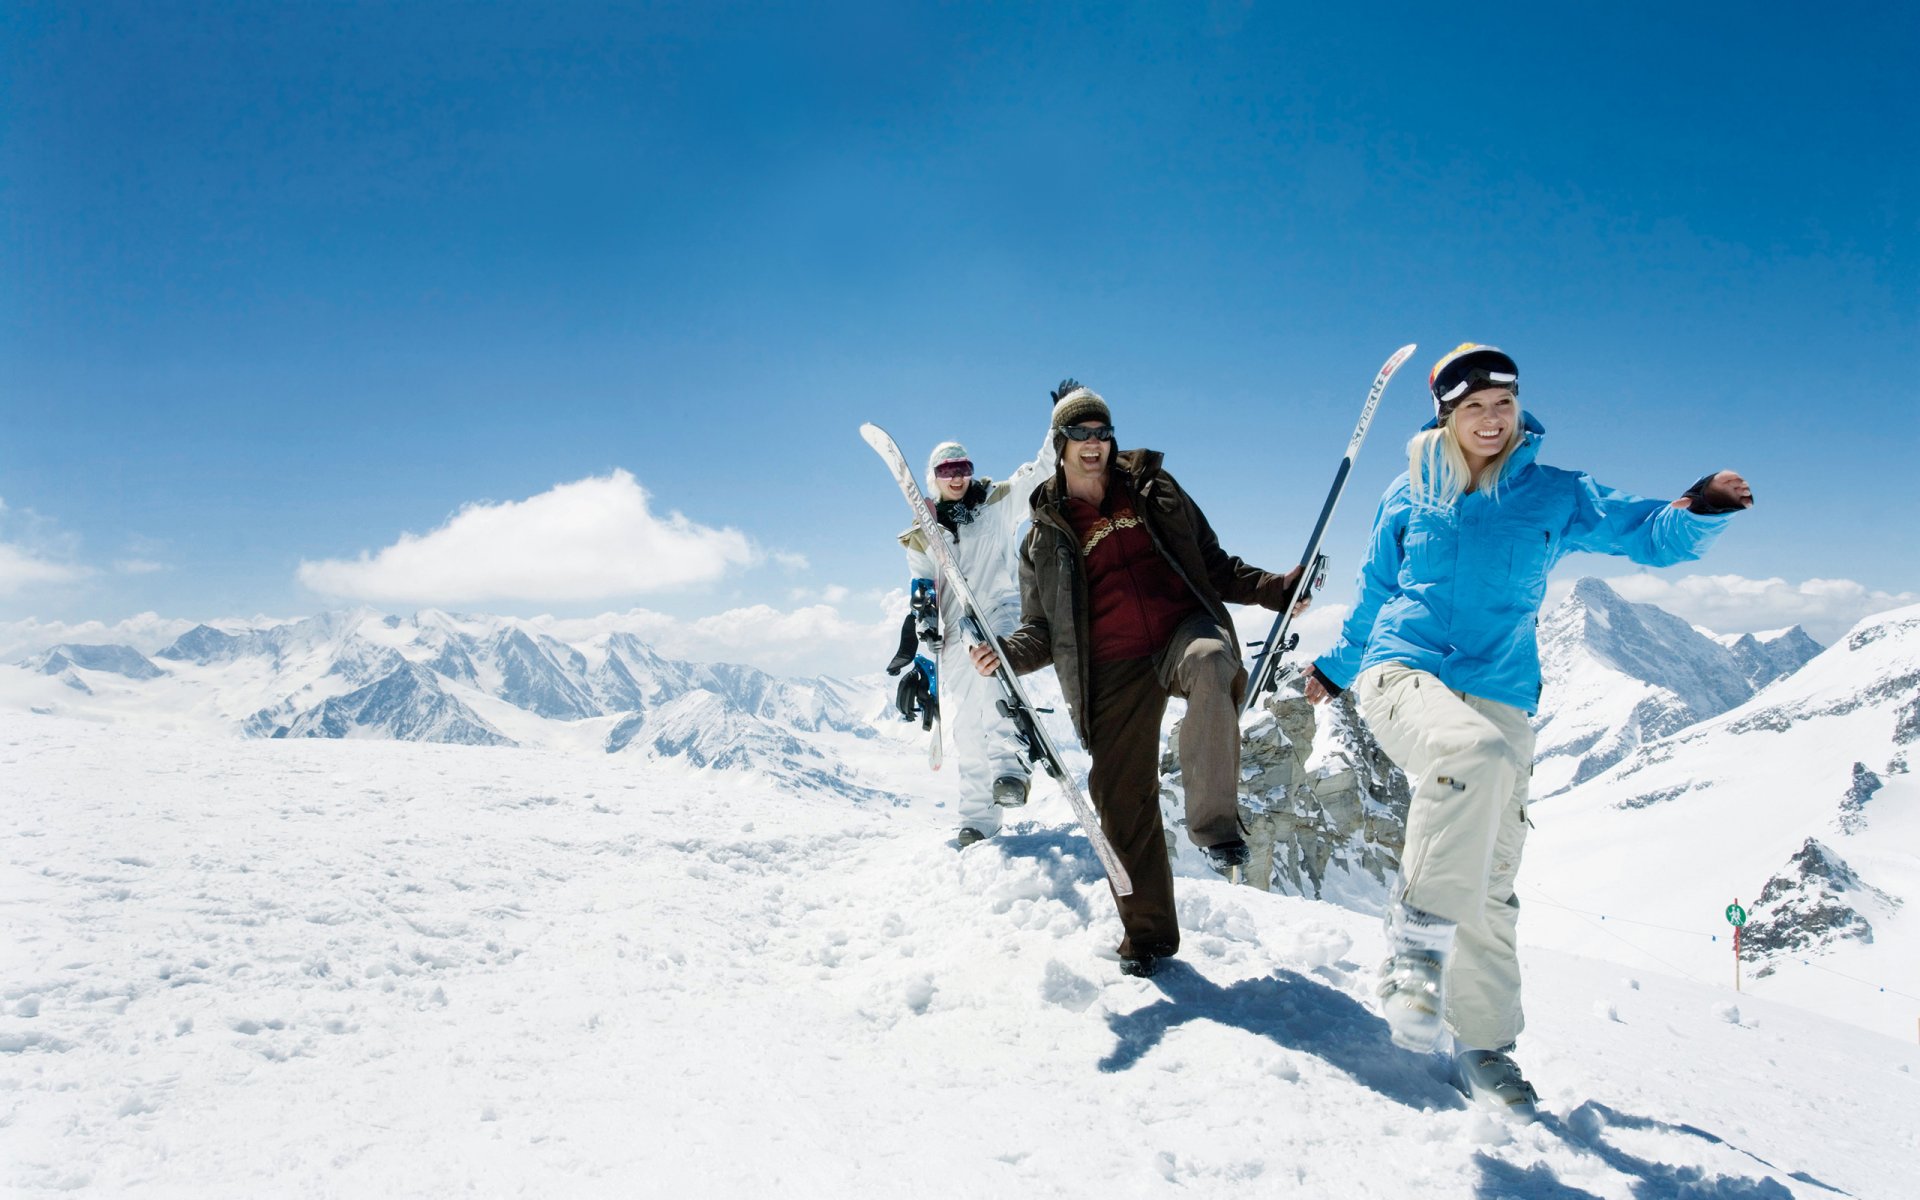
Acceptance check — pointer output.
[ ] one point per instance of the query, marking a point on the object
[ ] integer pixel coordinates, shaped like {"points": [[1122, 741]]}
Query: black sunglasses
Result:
{"points": [[1080, 433]]}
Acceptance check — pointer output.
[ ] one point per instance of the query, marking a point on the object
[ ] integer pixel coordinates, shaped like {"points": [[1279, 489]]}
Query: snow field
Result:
{"points": [[240, 968]]}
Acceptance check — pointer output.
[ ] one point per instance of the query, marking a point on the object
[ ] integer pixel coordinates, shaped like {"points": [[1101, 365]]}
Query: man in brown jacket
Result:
{"points": [[1124, 589]]}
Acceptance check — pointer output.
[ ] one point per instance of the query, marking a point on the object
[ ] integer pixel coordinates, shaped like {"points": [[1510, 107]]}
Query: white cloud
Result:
{"points": [[138, 566], [589, 540], [831, 594], [21, 568], [146, 633], [37, 560], [1736, 604], [818, 639]]}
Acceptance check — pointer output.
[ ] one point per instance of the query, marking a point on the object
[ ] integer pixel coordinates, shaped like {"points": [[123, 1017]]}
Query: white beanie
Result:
{"points": [[945, 452]]}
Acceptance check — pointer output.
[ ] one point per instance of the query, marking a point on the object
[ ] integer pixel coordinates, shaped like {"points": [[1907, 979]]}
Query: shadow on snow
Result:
{"points": [[1585, 1128], [1289, 1010], [1299, 1013], [1063, 852]]}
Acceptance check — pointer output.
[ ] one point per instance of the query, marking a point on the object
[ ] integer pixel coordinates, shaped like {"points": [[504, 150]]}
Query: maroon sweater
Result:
{"points": [[1136, 597]]}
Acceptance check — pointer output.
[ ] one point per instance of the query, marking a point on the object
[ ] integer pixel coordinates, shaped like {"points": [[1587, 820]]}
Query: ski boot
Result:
{"points": [[1413, 980], [1490, 1079], [1144, 958], [968, 836], [1010, 791], [1229, 859], [1140, 966]]}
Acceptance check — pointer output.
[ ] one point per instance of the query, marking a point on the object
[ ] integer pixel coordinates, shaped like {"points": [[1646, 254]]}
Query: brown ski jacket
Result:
{"points": [[1055, 616]]}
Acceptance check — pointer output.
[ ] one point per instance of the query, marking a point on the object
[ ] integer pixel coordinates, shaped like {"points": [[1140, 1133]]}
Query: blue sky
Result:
{"points": [[294, 284]]}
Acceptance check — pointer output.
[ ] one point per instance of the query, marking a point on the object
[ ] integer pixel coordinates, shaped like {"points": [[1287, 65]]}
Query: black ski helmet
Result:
{"points": [[1469, 367]]}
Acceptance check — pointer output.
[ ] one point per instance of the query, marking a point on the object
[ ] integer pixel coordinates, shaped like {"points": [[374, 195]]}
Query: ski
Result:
{"points": [[1040, 746], [1313, 564]]}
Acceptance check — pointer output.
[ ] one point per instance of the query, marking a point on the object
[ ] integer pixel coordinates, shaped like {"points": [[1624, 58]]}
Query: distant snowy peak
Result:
{"points": [[1767, 658], [1616, 675], [280, 643], [539, 674], [1867, 685], [707, 730], [112, 659], [408, 704], [1876, 666], [204, 644], [1646, 643]]}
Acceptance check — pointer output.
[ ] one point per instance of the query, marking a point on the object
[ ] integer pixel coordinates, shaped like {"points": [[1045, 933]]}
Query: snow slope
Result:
{"points": [[1640, 863], [358, 968]]}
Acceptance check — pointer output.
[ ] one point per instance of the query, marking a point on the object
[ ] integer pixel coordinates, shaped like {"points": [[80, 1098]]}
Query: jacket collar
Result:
{"points": [[1528, 449], [1131, 470]]}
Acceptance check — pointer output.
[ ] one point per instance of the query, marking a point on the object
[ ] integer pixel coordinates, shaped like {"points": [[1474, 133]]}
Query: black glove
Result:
{"points": [[914, 697], [1066, 385], [908, 638], [1718, 493]]}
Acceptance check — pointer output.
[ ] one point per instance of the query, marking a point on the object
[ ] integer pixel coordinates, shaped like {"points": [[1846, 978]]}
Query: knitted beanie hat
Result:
{"points": [[945, 452], [1073, 404]]}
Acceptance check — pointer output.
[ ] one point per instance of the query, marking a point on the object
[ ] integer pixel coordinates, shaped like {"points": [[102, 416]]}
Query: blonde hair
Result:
{"points": [[1437, 466]]}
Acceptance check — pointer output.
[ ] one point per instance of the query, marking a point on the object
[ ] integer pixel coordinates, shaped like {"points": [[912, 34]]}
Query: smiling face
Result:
{"points": [[1085, 462], [952, 485], [1483, 423]]}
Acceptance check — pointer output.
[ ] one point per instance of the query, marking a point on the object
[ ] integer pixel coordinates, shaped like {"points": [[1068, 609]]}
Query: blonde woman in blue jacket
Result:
{"points": [[1440, 652]]}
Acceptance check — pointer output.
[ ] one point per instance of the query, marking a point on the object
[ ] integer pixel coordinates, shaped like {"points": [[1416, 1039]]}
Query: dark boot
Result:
{"points": [[1010, 791]]}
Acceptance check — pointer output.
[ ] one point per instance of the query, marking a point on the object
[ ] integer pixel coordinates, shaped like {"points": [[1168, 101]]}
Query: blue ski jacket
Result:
{"points": [[1455, 591]]}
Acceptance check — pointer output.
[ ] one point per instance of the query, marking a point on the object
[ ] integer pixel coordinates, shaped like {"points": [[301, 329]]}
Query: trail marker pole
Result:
{"points": [[1736, 917]]}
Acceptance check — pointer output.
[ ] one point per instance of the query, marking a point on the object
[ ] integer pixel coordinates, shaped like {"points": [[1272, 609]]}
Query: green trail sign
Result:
{"points": [[1736, 916]]}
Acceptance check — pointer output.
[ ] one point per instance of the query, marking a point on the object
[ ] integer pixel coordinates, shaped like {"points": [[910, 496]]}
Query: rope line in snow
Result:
{"points": [[1807, 962], [1586, 913], [1582, 914], [1626, 920]]}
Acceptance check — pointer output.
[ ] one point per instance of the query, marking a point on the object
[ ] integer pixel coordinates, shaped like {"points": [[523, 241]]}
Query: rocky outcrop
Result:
{"points": [[1813, 902], [1337, 827], [1860, 789]]}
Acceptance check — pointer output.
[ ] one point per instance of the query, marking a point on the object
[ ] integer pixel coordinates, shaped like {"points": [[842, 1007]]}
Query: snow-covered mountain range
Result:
{"points": [[464, 680]]}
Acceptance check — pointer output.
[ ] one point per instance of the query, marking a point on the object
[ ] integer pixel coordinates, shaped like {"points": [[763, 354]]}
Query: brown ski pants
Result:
{"points": [[1127, 701]]}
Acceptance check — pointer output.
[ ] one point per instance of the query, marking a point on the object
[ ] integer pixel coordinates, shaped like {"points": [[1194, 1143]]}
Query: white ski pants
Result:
{"points": [[1468, 761], [984, 743]]}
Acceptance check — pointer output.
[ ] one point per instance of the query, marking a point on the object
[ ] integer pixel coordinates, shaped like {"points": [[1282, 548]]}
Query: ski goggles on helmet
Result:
{"points": [[1080, 433], [959, 468], [1469, 369]]}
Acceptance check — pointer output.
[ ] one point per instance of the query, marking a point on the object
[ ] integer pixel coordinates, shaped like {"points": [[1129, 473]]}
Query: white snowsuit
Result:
{"points": [[987, 551]]}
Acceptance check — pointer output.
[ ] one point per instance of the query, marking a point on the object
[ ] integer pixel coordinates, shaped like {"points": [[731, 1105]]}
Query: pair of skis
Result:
{"points": [[1039, 745]]}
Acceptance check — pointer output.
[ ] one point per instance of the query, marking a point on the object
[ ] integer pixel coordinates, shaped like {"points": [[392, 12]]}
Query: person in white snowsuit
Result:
{"points": [[981, 521], [1440, 652]]}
